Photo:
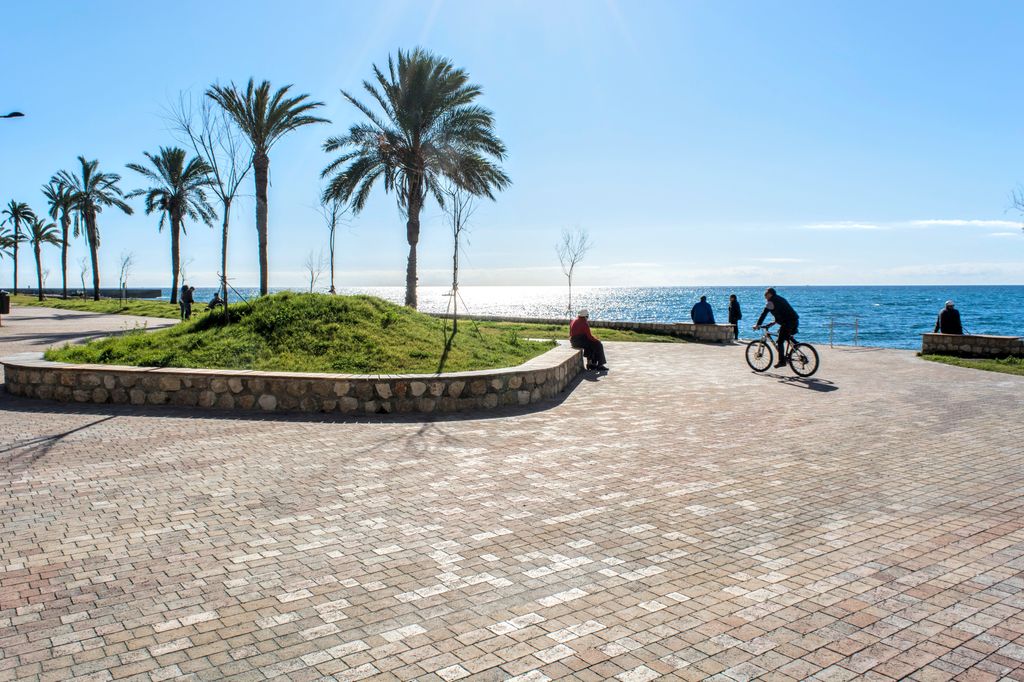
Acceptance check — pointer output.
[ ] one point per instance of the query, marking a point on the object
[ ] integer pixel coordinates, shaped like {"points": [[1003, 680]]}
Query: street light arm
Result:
{"points": [[13, 114]]}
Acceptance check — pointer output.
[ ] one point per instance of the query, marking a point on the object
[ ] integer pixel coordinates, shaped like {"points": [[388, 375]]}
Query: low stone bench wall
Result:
{"points": [[972, 345], [716, 333], [536, 380]]}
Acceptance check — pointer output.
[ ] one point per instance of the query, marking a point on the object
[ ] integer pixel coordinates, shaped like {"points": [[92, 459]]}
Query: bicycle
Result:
{"points": [[802, 357]]}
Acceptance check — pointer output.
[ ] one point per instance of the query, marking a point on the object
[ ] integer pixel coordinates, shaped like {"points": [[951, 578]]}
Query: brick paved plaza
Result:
{"points": [[680, 518]]}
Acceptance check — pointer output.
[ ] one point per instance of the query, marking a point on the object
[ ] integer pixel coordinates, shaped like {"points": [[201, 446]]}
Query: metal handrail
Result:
{"points": [[832, 324]]}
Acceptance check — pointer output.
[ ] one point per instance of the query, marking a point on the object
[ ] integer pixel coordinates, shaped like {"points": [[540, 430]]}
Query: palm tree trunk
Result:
{"points": [[224, 253], [90, 231], [65, 225], [412, 234], [333, 229], [175, 257], [39, 272], [17, 235], [261, 167]]}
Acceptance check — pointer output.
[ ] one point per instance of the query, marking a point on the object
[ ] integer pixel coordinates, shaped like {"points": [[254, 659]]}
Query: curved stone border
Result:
{"points": [[538, 379]]}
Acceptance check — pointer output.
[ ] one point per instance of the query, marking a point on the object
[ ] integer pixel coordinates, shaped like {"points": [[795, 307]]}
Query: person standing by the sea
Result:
{"points": [[735, 315], [948, 321], [783, 313], [187, 297], [181, 299]]}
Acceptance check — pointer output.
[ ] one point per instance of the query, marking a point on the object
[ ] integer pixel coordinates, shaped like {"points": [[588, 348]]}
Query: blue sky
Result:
{"points": [[697, 142]]}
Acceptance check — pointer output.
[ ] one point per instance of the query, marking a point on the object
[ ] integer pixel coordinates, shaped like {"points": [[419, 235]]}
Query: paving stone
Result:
{"points": [[678, 517]]}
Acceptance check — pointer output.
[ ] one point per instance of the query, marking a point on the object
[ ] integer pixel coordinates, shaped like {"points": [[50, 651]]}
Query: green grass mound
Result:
{"points": [[312, 333]]}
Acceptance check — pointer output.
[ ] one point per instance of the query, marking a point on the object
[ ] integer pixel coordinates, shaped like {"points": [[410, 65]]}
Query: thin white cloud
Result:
{"points": [[844, 225], [778, 260], [1015, 235], [965, 223]]}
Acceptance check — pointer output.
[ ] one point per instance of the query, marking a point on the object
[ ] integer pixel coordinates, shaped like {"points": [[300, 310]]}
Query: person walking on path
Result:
{"points": [[735, 315], [701, 313], [948, 321], [581, 337], [783, 313]]}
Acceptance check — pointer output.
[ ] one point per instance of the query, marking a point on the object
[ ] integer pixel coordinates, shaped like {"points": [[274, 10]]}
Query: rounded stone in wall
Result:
{"points": [[267, 402], [247, 401]]}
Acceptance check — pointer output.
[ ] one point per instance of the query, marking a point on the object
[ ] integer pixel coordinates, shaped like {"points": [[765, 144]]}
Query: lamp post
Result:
{"points": [[13, 114]]}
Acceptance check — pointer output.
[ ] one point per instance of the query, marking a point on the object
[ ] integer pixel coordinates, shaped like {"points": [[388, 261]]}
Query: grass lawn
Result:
{"points": [[1006, 365], [312, 333], [554, 331], [105, 305]]}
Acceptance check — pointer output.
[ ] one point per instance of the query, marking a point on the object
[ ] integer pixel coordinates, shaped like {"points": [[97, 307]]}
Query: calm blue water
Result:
{"points": [[888, 316]]}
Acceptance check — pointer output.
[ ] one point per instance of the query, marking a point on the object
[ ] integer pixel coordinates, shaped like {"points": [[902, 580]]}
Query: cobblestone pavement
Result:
{"points": [[679, 517]]}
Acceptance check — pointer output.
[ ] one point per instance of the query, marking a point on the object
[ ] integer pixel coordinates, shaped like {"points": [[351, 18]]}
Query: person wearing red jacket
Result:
{"points": [[581, 337]]}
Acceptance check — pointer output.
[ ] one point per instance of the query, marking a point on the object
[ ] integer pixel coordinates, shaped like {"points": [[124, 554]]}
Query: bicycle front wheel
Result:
{"points": [[759, 355], [803, 359]]}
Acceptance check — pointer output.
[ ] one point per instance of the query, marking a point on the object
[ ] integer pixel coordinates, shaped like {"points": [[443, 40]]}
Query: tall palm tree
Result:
{"points": [[16, 214], [179, 192], [59, 198], [430, 129], [91, 192], [264, 118], [39, 233]]}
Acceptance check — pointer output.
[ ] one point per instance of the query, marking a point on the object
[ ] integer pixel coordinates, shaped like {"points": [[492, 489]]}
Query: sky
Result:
{"points": [[697, 142]]}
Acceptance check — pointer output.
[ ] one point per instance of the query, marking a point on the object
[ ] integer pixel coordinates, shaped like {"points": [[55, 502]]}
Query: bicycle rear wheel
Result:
{"points": [[803, 359], [759, 355]]}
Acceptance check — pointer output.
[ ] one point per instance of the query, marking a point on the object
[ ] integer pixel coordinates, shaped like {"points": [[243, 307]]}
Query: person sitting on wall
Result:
{"points": [[581, 337], [948, 321], [701, 313]]}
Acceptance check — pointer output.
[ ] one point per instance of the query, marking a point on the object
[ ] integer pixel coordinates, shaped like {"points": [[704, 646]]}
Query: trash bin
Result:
{"points": [[5, 303]]}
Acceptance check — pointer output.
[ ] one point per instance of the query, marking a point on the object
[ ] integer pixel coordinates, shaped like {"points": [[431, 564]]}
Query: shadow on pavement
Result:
{"points": [[29, 451], [820, 385]]}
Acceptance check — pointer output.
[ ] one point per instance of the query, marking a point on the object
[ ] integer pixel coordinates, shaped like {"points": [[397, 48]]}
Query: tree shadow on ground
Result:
{"points": [[26, 452]]}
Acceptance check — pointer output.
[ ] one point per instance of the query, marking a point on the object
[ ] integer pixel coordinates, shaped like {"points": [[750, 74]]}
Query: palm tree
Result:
{"points": [[40, 233], [430, 130], [264, 119], [17, 212], [91, 191], [179, 192], [61, 206]]}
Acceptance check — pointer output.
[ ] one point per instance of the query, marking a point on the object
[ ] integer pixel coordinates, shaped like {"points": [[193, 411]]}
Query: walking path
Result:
{"points": [[678, 517]]}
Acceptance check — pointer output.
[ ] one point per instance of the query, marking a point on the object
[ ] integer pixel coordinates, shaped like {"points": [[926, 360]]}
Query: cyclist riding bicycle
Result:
{"points": [[783, 313]]}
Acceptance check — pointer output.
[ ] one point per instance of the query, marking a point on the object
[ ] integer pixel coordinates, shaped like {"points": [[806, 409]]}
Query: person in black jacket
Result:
{"points": [[734, 315], [948, 321], [783, 313]]}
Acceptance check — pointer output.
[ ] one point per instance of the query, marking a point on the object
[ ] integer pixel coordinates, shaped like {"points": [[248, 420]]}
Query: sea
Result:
{"points": [[882, 316]]}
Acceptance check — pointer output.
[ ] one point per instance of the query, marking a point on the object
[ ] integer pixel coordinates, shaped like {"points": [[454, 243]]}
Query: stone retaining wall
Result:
{"points": [[717, 333], [972, 345], [538, 379]]}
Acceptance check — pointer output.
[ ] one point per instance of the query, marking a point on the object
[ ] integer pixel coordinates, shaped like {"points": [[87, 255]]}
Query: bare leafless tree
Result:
{"points": [[186, 263], [127, 262], [216, 139], [1018, 200], [315, 265], [459, 207], [333, 211], [571, 249], [83, 265]]}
